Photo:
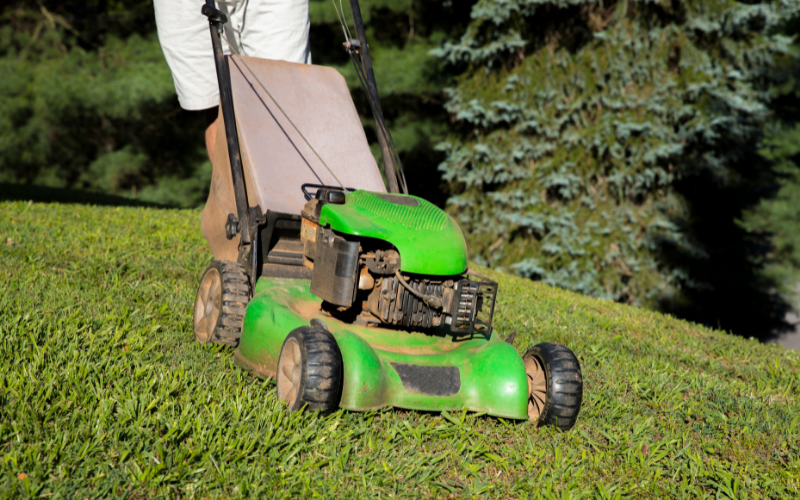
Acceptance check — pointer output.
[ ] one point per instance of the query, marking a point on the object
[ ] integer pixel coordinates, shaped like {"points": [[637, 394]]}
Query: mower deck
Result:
{"points": [[430, 371]]}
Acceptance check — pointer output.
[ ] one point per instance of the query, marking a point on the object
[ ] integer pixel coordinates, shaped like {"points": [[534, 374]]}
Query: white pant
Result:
{"points": [[270, 29]]}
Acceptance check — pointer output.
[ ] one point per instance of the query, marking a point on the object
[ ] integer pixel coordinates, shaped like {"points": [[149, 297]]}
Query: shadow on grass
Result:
{"points": [[41, 194]]}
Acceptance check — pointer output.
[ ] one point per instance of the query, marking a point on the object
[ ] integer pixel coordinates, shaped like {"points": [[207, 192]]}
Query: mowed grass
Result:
{"points": [[103, 391]]}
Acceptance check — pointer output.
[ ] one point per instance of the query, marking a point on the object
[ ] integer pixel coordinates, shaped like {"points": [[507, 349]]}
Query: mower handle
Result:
{"points": [[213, 15], [215, 21]]}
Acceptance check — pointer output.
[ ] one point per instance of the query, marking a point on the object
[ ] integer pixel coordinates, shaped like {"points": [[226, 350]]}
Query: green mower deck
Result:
{"points": [[439, 371]]}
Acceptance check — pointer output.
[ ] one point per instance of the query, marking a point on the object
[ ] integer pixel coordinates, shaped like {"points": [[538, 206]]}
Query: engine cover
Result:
{"points": [[428, 240]]}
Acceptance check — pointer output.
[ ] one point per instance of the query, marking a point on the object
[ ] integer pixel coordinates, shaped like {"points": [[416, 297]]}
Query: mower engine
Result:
{"points": [[362, 278]]}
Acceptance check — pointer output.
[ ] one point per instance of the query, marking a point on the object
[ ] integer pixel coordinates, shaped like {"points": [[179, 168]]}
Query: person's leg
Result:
{"points": [[212, 118], [185, 40], [270, 29], [274, 29], [186, 43]]}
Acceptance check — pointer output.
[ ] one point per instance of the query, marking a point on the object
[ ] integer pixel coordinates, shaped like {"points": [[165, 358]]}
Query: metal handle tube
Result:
{"points": [[388, 160], [228, 117]]}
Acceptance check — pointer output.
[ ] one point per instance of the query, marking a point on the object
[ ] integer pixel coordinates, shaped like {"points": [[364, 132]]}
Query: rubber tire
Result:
{"points": [[564, 385], [322, 372], [234, 299]]}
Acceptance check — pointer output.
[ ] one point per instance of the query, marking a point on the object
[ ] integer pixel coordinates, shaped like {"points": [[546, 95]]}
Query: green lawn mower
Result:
{"points": [[346, 293]]}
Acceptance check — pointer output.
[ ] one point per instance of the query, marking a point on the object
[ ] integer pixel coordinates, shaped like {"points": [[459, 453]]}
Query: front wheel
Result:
{"points": [[310, 370], [555, 385]]}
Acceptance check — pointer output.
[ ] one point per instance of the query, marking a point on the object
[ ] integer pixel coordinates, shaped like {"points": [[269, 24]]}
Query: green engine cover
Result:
{"points": [[429, 240]]}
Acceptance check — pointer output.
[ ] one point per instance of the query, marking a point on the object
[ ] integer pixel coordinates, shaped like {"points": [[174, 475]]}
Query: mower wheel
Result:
{"points": [[310, 370], [555, 385], [222, 298]]}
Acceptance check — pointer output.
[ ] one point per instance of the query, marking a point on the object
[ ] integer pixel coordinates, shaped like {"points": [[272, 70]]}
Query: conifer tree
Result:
{"points": [[779, 213], [611, 147]]}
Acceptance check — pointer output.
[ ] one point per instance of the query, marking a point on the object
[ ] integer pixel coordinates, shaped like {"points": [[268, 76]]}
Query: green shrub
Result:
{"points": [[780, 214], [87, 101]]}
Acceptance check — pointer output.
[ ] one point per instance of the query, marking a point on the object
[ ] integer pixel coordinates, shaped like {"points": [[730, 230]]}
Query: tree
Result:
{"points": [[779, 215], [87, 101], [610, 148]]}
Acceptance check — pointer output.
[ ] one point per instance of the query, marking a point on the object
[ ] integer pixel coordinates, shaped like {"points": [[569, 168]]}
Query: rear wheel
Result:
{"points": [[219, 307], [310, 370], [555, 385]]}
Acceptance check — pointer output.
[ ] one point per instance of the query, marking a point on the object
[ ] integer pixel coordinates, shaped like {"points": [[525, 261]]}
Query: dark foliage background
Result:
{"points": [[87, 101], [639, 151]]}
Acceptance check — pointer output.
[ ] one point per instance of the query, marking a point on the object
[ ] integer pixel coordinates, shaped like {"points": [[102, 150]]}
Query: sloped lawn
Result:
{"points": [[103, 391]]}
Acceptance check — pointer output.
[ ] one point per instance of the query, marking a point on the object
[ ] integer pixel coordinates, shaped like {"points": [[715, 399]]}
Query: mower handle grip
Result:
{"points": [[213, 15]]}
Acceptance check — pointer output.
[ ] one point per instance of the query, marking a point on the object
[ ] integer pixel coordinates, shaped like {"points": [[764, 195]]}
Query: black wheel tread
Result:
{"points": [[235, 297], [564, 385], [321, 388]]}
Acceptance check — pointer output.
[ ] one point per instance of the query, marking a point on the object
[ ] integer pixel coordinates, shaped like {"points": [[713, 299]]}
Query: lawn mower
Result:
{"points": [[331, 279]]}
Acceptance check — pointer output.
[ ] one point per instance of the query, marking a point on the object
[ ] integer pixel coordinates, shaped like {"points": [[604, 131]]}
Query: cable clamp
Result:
{"points": [[352, 45]]}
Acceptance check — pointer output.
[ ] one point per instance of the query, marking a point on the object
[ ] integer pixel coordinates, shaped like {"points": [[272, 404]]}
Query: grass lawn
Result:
{"points": [[103, 391]]}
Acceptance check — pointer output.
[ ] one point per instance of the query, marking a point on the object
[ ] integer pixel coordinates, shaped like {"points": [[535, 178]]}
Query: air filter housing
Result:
{"points": [[333, 278]]}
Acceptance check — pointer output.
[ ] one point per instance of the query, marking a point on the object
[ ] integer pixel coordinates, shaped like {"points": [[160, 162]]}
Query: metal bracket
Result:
{"points": [[352, 46], [215, 21], [232, 227], [473, 305]]}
